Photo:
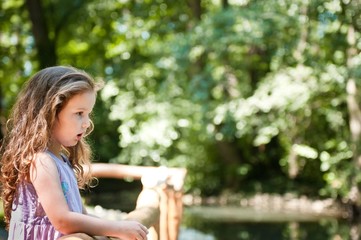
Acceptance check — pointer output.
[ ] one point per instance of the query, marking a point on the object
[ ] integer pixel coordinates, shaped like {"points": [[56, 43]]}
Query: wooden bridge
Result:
{"points": [[159, 205]]}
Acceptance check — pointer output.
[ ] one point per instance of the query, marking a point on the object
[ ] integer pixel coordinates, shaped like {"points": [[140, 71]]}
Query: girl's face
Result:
{"points": [[73, 120]]}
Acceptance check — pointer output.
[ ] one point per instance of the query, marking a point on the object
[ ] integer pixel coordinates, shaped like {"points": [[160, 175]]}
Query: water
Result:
{"points": [[266, 231], [205, 223]]}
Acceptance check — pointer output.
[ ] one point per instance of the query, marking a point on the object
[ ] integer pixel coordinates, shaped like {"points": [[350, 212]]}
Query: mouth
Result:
{"points": [[79, 136]]}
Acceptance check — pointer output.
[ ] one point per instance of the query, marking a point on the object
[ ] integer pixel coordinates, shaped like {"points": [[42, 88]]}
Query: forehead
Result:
{"points": [[83, 100]]}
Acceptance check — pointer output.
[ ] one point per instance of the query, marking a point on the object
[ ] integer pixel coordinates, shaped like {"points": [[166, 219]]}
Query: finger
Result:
{"points": [[143, 233], [140, 237], [144, 228]]}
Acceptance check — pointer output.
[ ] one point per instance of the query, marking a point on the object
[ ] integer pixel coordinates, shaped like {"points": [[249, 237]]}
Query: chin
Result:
{"points": [[71, 144]]}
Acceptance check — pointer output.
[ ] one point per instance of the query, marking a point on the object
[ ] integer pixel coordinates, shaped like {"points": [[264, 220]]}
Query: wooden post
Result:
{"points": [[171, 209], [159, 206]]}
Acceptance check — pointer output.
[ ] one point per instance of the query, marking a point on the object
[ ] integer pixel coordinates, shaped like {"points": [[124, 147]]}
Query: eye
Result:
{"points": [[79, 113]]}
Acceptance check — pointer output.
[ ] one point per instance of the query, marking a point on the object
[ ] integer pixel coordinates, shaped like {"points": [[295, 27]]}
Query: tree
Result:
{"points": [[44, 44], [228, 90]]}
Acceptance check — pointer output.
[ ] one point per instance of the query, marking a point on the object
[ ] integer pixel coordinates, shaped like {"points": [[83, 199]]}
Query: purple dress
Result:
{"points": [[28, 219]]}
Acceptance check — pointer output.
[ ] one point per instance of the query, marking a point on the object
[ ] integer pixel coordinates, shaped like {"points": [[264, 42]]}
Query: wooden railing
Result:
{"points": [[159, 205]]}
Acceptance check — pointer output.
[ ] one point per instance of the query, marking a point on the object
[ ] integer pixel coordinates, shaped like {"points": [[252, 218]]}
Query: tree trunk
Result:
{"points": [[196, 7], [225, 4], [44, 44], [301, 46], [355, 126]]}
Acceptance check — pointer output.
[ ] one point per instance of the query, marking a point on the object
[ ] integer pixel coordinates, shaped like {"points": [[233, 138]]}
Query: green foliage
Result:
{"points": [[252, 97]]}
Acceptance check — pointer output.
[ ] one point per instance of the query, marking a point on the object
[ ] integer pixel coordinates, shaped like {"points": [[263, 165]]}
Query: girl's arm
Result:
{"points": [[94, 237], [45, 178]]}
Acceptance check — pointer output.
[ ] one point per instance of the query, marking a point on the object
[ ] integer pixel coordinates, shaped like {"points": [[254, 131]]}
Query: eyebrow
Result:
{"points": [[83, 109]]}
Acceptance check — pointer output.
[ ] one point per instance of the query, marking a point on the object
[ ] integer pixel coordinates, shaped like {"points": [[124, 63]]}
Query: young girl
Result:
{"points": [[43, 157]]}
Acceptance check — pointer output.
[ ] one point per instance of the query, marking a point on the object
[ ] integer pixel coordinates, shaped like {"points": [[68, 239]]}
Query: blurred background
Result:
{"points": [[255, 98]]}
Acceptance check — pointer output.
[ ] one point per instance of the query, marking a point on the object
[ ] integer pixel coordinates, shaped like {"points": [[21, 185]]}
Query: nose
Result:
{"points": [[86, 122]]}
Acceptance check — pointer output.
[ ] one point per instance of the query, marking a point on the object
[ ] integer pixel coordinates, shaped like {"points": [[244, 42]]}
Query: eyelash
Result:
{"points": [[82, 113]]}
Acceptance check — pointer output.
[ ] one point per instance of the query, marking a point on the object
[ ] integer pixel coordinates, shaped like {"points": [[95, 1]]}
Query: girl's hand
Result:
{"points": [[101, 238], [132, 230]]}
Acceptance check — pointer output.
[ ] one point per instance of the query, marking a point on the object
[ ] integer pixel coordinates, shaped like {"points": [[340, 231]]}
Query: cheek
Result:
{"points": [[60, 130], [56, 131]]}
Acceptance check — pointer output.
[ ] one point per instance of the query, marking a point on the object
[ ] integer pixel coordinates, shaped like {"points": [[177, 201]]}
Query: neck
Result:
{"points": [[55, 149]]}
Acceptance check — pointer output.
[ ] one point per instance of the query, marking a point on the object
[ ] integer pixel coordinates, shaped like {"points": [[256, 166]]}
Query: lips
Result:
{"points": [[78, 136]]}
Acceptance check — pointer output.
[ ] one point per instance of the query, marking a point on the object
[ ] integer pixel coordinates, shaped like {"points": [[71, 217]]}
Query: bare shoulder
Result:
{"points": [[43, 159], [42, 165]]}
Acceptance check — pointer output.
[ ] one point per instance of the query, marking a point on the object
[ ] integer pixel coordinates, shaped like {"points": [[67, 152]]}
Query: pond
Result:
{"points": [[229, 223]]}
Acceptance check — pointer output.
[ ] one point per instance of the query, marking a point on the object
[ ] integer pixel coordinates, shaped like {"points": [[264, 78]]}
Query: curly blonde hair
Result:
{"points": [[30, 126]]}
